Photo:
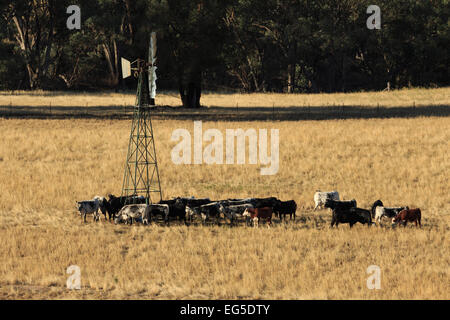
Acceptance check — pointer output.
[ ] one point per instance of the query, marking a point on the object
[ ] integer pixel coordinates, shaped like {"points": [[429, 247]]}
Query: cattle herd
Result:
{"points": [[233, 211]]}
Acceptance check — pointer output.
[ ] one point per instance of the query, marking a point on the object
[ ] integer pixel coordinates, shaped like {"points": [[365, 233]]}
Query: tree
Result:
{"points": [[192, 32], [33, 26]]}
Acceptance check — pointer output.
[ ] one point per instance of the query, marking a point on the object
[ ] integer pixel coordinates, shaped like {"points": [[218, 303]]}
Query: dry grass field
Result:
{"points": [[395, 98], [46, 165]]}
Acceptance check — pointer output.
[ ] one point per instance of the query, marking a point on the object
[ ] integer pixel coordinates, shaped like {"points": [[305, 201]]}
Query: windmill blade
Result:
{"points": [[153, 47], [152, 67]]}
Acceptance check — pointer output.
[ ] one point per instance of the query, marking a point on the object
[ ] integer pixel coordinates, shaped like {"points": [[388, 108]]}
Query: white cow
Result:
{"points": [[154, 210], [132, 211], [320, 198], [142, 212], [89, 207], [102, 203], [381, 212]]}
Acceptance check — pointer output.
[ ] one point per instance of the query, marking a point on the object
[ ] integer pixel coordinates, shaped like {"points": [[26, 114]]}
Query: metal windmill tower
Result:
{"points": [[141, 176]]}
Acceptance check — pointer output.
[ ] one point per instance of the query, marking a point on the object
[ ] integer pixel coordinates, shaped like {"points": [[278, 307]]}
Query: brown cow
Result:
{"points": [[411, 215], [257, 213]]}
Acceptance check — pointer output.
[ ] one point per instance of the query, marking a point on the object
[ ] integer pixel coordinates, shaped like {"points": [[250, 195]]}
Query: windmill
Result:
{"points": [[141, 176]]}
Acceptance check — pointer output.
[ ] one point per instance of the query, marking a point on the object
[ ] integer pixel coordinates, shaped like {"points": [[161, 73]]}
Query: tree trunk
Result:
{"points": [[191, 87], [113, 65], [291, 78], [190, 95]]}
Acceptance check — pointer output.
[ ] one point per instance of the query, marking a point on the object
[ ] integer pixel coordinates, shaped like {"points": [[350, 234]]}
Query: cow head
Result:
{"points": [[120, 217], [277, 204], [396, 219], [189, 212], [328, 203], [246, 213]]}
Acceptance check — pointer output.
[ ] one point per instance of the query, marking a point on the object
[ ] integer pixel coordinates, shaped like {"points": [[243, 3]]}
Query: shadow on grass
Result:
{"points": [[215, 113]]}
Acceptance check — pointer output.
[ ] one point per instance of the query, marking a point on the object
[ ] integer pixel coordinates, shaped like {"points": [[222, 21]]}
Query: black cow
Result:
{"points": [[176, 209], [270, 202], [376, 204], [285, 207], [342, 205], [114, 204], [351, 216], [206, 211], [182, 203], [193, 202]]}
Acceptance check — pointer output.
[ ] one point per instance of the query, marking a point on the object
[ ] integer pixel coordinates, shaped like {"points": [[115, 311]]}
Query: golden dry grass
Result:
{"points": [[45, 165], [394, 98]]}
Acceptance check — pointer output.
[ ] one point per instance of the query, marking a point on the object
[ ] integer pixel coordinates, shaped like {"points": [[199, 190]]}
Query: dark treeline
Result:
{"points": [[246, 45]]}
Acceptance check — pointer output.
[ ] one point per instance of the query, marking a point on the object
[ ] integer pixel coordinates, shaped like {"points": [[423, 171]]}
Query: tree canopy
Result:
{"points": [[244, 45]]}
